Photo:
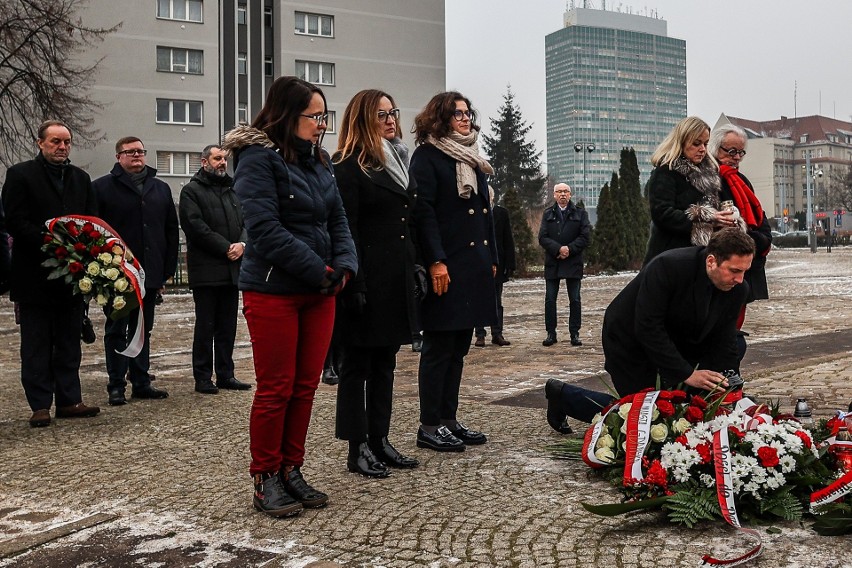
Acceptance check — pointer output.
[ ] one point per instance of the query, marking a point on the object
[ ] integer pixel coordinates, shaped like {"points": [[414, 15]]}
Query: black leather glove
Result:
{"points": [[333, 282], [355, 303]]}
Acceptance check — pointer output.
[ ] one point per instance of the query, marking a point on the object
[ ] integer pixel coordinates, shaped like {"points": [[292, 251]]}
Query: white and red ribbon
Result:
{"points": [[130, 268], [590, 441], [638, 433], [832, 493]]}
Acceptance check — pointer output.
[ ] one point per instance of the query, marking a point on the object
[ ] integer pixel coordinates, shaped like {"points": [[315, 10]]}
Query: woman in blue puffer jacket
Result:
{"points": [[299, 255]]}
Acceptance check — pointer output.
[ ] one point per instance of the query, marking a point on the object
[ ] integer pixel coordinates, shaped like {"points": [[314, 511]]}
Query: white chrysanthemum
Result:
{"points": [[787, 463], [779, 446], [675, 455], [707, 480]]}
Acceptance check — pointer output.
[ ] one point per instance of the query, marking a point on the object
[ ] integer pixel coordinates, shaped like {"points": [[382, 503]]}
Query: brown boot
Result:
{"points": [[78, 410], [500, 340], [40, 418]]}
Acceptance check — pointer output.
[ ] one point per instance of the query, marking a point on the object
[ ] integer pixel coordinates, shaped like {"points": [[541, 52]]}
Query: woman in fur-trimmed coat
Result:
{"points": [[683, 190]]}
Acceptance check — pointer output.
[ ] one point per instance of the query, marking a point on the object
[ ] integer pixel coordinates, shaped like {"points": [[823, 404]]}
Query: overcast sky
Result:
{"points": [[743, 57]]}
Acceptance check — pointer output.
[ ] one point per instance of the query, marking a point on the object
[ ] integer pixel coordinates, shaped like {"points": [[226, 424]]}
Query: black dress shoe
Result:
{"points": [[549, 340], [150, 393], [389, 455], [206, 386], [299, 490], [500, 340], [575, 340], [555, 415], [441, 441], [366, 463], [232, 384], [116, 397], [329, 377], [271, 498], [417, 344], [468, 436]]}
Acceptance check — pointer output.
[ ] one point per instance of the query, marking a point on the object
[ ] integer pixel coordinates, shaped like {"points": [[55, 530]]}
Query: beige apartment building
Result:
{"points": [[775, 164], [180, 73]]}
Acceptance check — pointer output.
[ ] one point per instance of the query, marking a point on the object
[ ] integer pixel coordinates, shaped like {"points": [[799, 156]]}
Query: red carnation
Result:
{"points": [[657, 475], [768, 456], [666, 408], [678, 396], [736, 432], [88, 227], [703, 451], [75, 267], [665, 395], [694, 414], [79, 247], [806, 440], [72, 229], [699, 402], [682, 440]]}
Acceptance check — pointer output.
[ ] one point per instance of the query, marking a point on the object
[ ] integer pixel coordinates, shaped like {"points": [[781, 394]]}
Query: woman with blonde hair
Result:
{"points": [[376, 311], [683, 190]]}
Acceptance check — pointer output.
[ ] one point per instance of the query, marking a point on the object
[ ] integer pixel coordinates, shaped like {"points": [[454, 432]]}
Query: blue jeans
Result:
{"points": [[572, 286]]}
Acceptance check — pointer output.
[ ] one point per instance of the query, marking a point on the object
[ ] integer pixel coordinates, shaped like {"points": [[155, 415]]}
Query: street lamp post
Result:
{"points": [[811, 175], [585, 147]]}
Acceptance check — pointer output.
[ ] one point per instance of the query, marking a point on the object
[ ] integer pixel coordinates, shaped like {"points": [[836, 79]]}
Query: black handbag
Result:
{"points": [[87, 331], [421, 282]]}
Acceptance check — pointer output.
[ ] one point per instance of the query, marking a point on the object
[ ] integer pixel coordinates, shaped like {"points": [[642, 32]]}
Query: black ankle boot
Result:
{"points": [[271, 498], [299, 489], [384, 451], [362, 460]]}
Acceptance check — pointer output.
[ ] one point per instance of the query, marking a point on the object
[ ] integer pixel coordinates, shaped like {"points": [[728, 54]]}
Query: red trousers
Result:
{"points": [[290, 335]]}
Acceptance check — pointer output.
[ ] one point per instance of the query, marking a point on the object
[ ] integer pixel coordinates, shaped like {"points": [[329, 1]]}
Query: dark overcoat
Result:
{"points": [[459, 232], [212, 220], [555, 233], [669, 194], [762, 236], [379, 211], [505, 243], [147, 220], [29, 199], [668, 320]]}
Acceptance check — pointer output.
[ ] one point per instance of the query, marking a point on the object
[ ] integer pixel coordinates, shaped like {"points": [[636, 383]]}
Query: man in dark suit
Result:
{"points": [[50, 315], [564, 234], [140, 208], [212, 221], [677, 320], [505, 267]]}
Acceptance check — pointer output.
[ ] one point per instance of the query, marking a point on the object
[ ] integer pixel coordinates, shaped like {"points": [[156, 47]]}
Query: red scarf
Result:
{"points": [[744, 198]]}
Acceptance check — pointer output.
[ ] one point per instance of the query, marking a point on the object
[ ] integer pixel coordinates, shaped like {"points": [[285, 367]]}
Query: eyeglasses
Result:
{"points": [[134, 152], [733, 152], [460, 114], [392, 113], [318, 118]]}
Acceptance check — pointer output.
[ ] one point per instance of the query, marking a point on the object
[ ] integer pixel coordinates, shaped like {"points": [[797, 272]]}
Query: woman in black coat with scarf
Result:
{"points": [[455, 231], [375, 312]]}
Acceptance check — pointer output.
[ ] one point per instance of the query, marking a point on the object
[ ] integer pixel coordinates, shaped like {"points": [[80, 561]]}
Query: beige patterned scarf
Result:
{"points": [[465, 151]]}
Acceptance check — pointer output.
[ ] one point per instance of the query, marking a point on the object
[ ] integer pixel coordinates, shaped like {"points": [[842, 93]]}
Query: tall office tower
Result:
{"points": [[614, 79], [179, 73]]}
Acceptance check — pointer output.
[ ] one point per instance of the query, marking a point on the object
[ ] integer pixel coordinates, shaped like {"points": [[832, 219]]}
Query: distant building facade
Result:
{"points": [[179, 73], [612, 80], [775, 164]]}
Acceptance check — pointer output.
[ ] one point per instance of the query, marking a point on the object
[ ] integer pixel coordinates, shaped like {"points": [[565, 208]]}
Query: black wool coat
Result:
{"points": [[553, 234], [147, 220], [212, 220], [380, 218], [29, 199], [762, 236], [668, 320], [505, 243], [670, 194], [459, 232]]}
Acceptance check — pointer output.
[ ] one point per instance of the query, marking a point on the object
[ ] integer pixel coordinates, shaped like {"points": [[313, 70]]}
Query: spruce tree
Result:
{"points": [[637, 218], [527, 251], [609, 242], [516, 162]]}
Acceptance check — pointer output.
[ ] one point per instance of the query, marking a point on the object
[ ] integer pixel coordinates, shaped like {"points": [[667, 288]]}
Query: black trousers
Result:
{"points": [[498, 328], [365, 392], [50, 353], [439, 377], [572, 285], [216, 310], [117, 335]]}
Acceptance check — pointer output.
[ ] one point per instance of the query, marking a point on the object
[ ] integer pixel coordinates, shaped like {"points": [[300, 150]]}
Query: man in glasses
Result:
{"points": [[50, 315], [140, 208]]}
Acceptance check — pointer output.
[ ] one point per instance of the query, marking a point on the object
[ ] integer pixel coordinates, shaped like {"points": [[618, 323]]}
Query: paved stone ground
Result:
{"points": [[164, 483]]}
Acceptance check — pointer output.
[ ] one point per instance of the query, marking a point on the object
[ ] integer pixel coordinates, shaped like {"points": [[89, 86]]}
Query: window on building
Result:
{"points": [[331, 125], [242, 113], [178, 163], [179, 60], [241, 14], [242, 63], [171, 111], [267, 16], [186, 10], [315, 72], [314, 24], [268, 66]]}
